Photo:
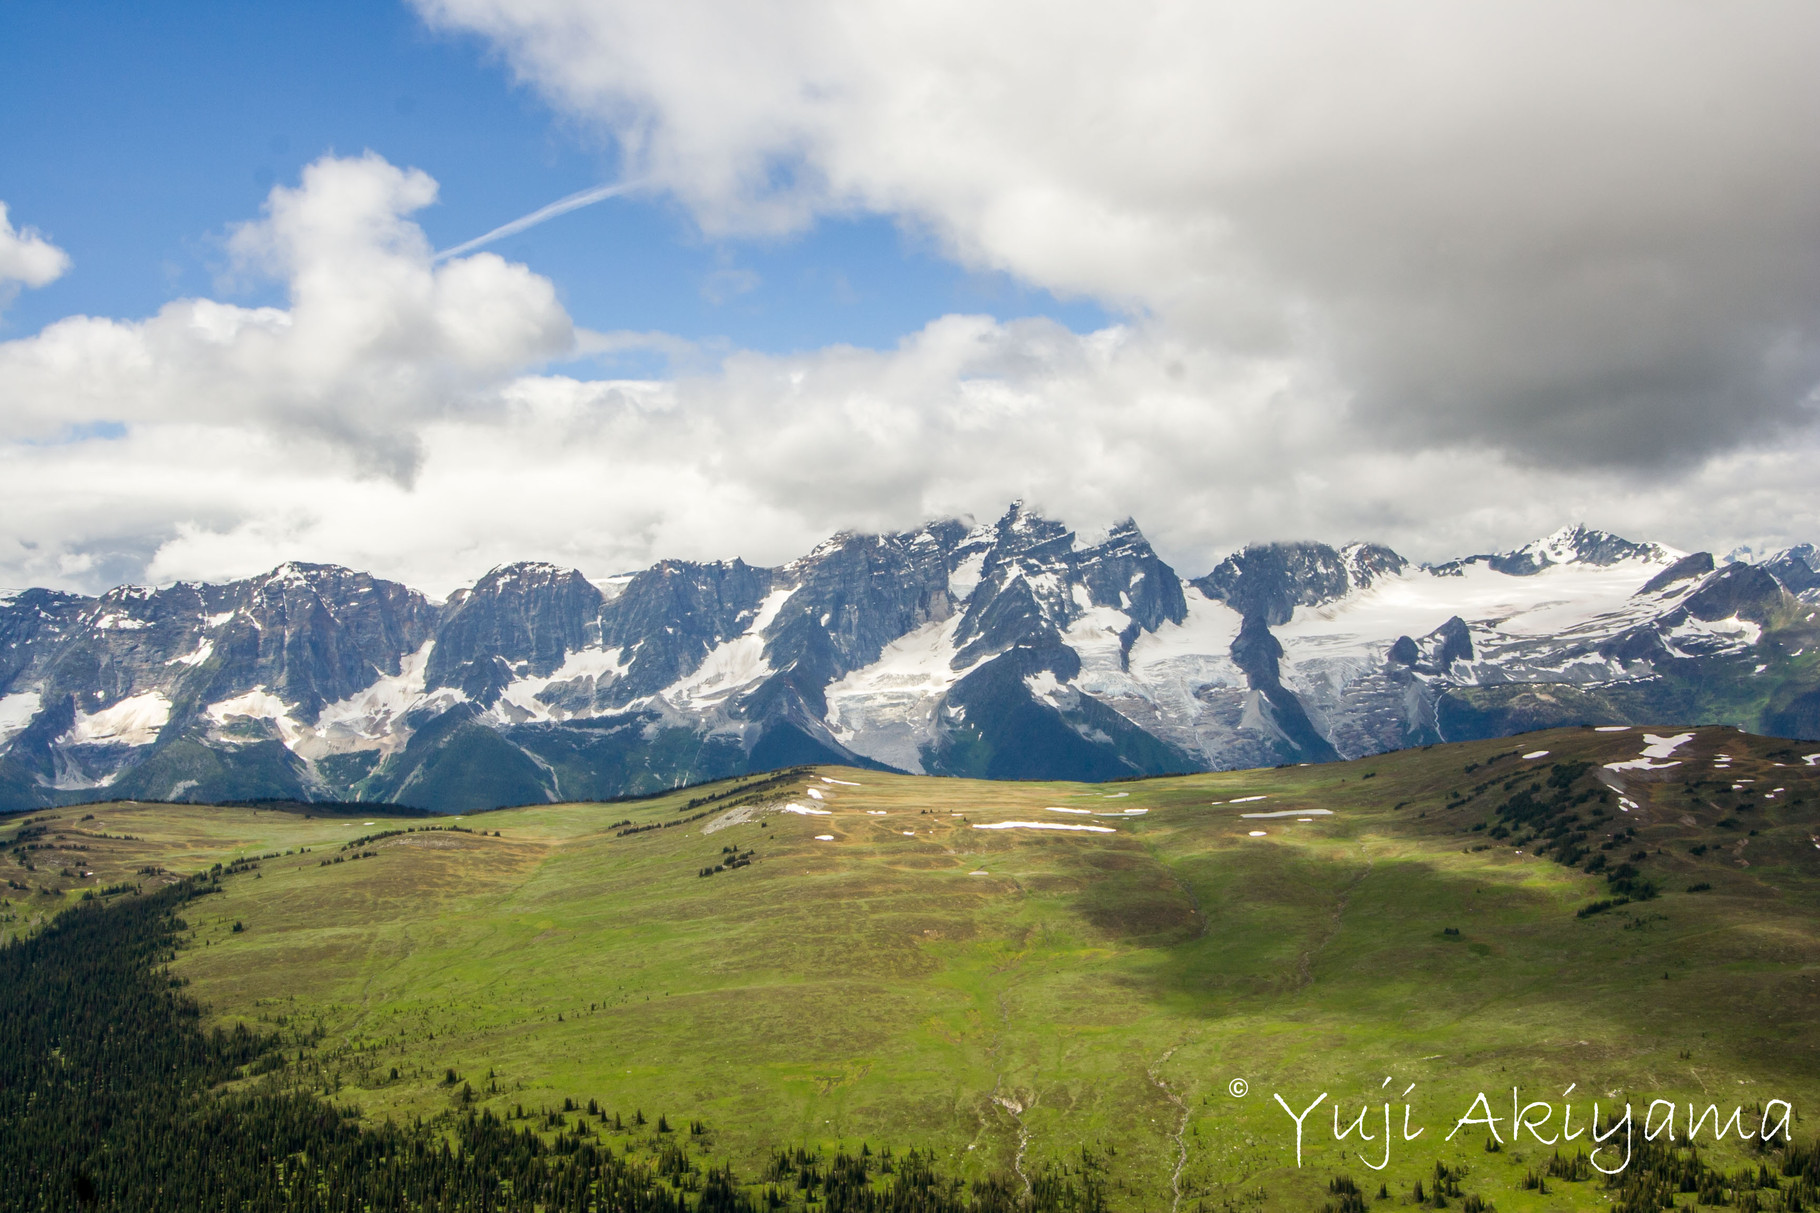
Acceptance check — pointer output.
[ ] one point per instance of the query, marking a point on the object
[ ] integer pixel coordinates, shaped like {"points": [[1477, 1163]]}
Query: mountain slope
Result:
{"points": [[1013, 649]]}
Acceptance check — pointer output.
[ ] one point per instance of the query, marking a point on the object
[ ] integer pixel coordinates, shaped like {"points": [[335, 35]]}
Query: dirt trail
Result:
{"points": [[1181, 1130]]}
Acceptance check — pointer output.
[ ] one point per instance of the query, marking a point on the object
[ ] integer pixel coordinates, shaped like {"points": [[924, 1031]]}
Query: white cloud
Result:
{"points": [[26, 259], [1443, 277], [1578, 233], [376, 339], [765, 455]]}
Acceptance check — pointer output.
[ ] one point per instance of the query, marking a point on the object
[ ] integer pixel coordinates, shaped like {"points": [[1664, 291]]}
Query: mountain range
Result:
{"points": [[1017, 649]]}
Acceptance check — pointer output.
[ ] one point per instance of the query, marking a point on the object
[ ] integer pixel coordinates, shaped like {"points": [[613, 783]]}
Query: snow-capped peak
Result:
{"points": [[527, 570], [1571, 545], [1580, 544]]}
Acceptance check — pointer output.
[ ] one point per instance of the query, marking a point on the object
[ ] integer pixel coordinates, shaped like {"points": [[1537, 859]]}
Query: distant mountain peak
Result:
{"points": [[531, 572], [128, 593], [1576, 544], [1020, 647], [298, 572], [1271, 579], [1798, 567], [1580, 544]]}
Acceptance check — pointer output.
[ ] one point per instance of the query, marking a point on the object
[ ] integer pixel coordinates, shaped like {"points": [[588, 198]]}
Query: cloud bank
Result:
{"points": [[1577, 233], [395, 417], [1444, 276]]}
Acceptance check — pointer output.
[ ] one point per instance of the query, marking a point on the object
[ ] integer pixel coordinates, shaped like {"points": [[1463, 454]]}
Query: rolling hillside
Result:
{"points": [[1009, 974]]}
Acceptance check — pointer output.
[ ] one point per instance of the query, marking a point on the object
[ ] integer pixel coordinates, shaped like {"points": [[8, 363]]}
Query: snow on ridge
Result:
{"points": [[1548, 623], [828, 547], [732, 665], [1163, 684], [203, 651], [1662, 747], [134, 721], [768, 609], [1043, 685], [117, 621], [506, 574], [16, 711], [288, 573], [604, 666], [1702, 638], [1551, 601], [1572, 545], [258, 704], [966, 576], [1086, 539], [888, 710], [1654, 747], [370, 713], [1095, 635]]}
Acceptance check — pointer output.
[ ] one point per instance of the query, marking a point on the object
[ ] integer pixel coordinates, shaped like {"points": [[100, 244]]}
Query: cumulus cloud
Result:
{"points": [[26, 259], [1442, 276], [764, 455], [1576, 234], [376, 338]]}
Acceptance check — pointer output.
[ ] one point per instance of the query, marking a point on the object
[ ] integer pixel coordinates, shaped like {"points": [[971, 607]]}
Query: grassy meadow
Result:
{"points": [[884, 971]]}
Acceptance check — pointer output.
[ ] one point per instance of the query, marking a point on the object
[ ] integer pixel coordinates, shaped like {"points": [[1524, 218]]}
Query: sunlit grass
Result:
{"points": [[873, 987]]}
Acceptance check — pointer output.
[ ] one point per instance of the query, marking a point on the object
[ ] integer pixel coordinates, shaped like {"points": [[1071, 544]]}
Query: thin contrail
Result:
{"points": [[562, 206]]}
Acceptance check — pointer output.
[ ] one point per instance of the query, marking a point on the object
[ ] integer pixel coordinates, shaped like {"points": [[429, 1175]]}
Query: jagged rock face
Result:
{"points": [[314, 633], [995, 607], [116, 681], [34, 625], [519, 619], [1015, 649], [1036, 579], [1798, 568], [1024, 590], [1740, 591], [1437, 651], [1717, 614], [1578, 545], [1452, 642], [856, 594], [1270, 580], [1123, 572], [1699, 564], [310, 634], [672, 615]]}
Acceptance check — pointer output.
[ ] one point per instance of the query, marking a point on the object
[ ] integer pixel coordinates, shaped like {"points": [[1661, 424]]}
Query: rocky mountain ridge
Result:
{"points": [[1014, 649]]}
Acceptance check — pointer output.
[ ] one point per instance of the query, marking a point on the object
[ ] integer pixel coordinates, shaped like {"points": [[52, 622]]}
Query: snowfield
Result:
{"points": [[887, 711], [135, 721]]}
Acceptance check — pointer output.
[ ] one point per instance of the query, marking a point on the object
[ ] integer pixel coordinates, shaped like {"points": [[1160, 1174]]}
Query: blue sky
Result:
{"points": [[137, 134]]}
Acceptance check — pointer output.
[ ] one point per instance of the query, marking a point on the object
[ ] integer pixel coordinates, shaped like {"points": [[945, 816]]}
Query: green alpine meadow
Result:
{"points": [[1430, 976]]}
